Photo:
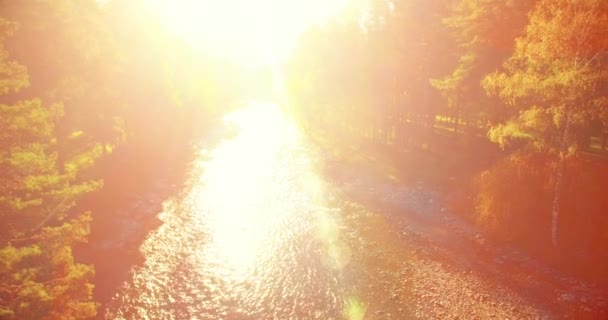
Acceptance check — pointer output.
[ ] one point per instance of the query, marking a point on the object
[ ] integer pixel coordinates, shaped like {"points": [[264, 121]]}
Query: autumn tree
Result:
{"points": [[554, 83]]}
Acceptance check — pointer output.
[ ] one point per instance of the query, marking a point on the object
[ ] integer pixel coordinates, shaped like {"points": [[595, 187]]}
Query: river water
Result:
{"points": [[252, 236], [264, 229]]}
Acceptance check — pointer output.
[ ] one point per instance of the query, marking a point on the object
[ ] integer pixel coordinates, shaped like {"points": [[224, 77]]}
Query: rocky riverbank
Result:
{"points": [[447, 269]]}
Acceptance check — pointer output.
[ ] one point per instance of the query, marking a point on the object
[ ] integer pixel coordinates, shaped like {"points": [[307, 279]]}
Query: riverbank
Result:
{"points": [[136, 184], [506, 196], [438, 265], [448, 268], [125, 210], [416, 192]]}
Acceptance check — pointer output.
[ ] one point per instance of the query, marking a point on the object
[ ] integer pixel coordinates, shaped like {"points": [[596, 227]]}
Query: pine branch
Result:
{"points": [[21, 242]]}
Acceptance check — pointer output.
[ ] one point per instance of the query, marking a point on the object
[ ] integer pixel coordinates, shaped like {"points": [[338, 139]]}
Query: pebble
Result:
{"points": [[566, 297]]}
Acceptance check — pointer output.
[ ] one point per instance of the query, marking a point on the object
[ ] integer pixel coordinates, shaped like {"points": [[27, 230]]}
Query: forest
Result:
{"points": [[510, 96], [501, 104]]}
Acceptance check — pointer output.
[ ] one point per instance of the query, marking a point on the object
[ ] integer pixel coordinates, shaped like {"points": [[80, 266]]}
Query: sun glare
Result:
{"points": [[244, 31], [245, 166]]}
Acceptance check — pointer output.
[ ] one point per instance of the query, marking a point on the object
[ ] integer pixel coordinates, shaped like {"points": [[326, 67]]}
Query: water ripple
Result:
{"points": [[251, 237]]}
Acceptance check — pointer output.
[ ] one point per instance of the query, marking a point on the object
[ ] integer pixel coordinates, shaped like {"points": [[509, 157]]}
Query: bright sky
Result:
{"points": [[245, 31]]}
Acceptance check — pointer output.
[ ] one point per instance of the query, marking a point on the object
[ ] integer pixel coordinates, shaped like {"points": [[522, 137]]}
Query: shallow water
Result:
{"points": [[252, 236]]}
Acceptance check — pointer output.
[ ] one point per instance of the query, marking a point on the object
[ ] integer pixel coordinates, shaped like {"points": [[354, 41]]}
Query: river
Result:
{"points": [[264, 230], [252, 236]]}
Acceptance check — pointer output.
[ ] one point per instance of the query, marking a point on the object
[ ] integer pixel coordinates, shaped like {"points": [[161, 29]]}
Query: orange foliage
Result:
{"points": [[513, 204]]}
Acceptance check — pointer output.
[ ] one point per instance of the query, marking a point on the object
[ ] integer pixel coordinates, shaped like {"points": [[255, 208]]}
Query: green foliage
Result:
{"points": [[13, 76], [39, 278]]}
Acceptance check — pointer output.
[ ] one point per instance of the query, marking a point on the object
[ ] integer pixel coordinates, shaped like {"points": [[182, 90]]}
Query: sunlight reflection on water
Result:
{"points": [[239, 187], [252, 237]]}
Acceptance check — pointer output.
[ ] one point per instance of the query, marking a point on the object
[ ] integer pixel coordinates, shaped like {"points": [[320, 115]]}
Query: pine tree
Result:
{"points": [[485, 32], [39, 278]]}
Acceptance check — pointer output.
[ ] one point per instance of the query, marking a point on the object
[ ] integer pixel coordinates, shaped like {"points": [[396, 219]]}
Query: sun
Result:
{"points": [[244, 31]]}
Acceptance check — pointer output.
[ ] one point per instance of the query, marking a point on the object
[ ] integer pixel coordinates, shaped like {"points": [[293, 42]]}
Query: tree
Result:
{"points": [[39, 278], [72, 60], [554, 83], [485, 32], [371, 69]]}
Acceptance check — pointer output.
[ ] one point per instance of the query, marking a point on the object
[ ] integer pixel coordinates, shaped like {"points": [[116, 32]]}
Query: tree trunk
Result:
{"points": [[558, 182], [456, 122]]}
